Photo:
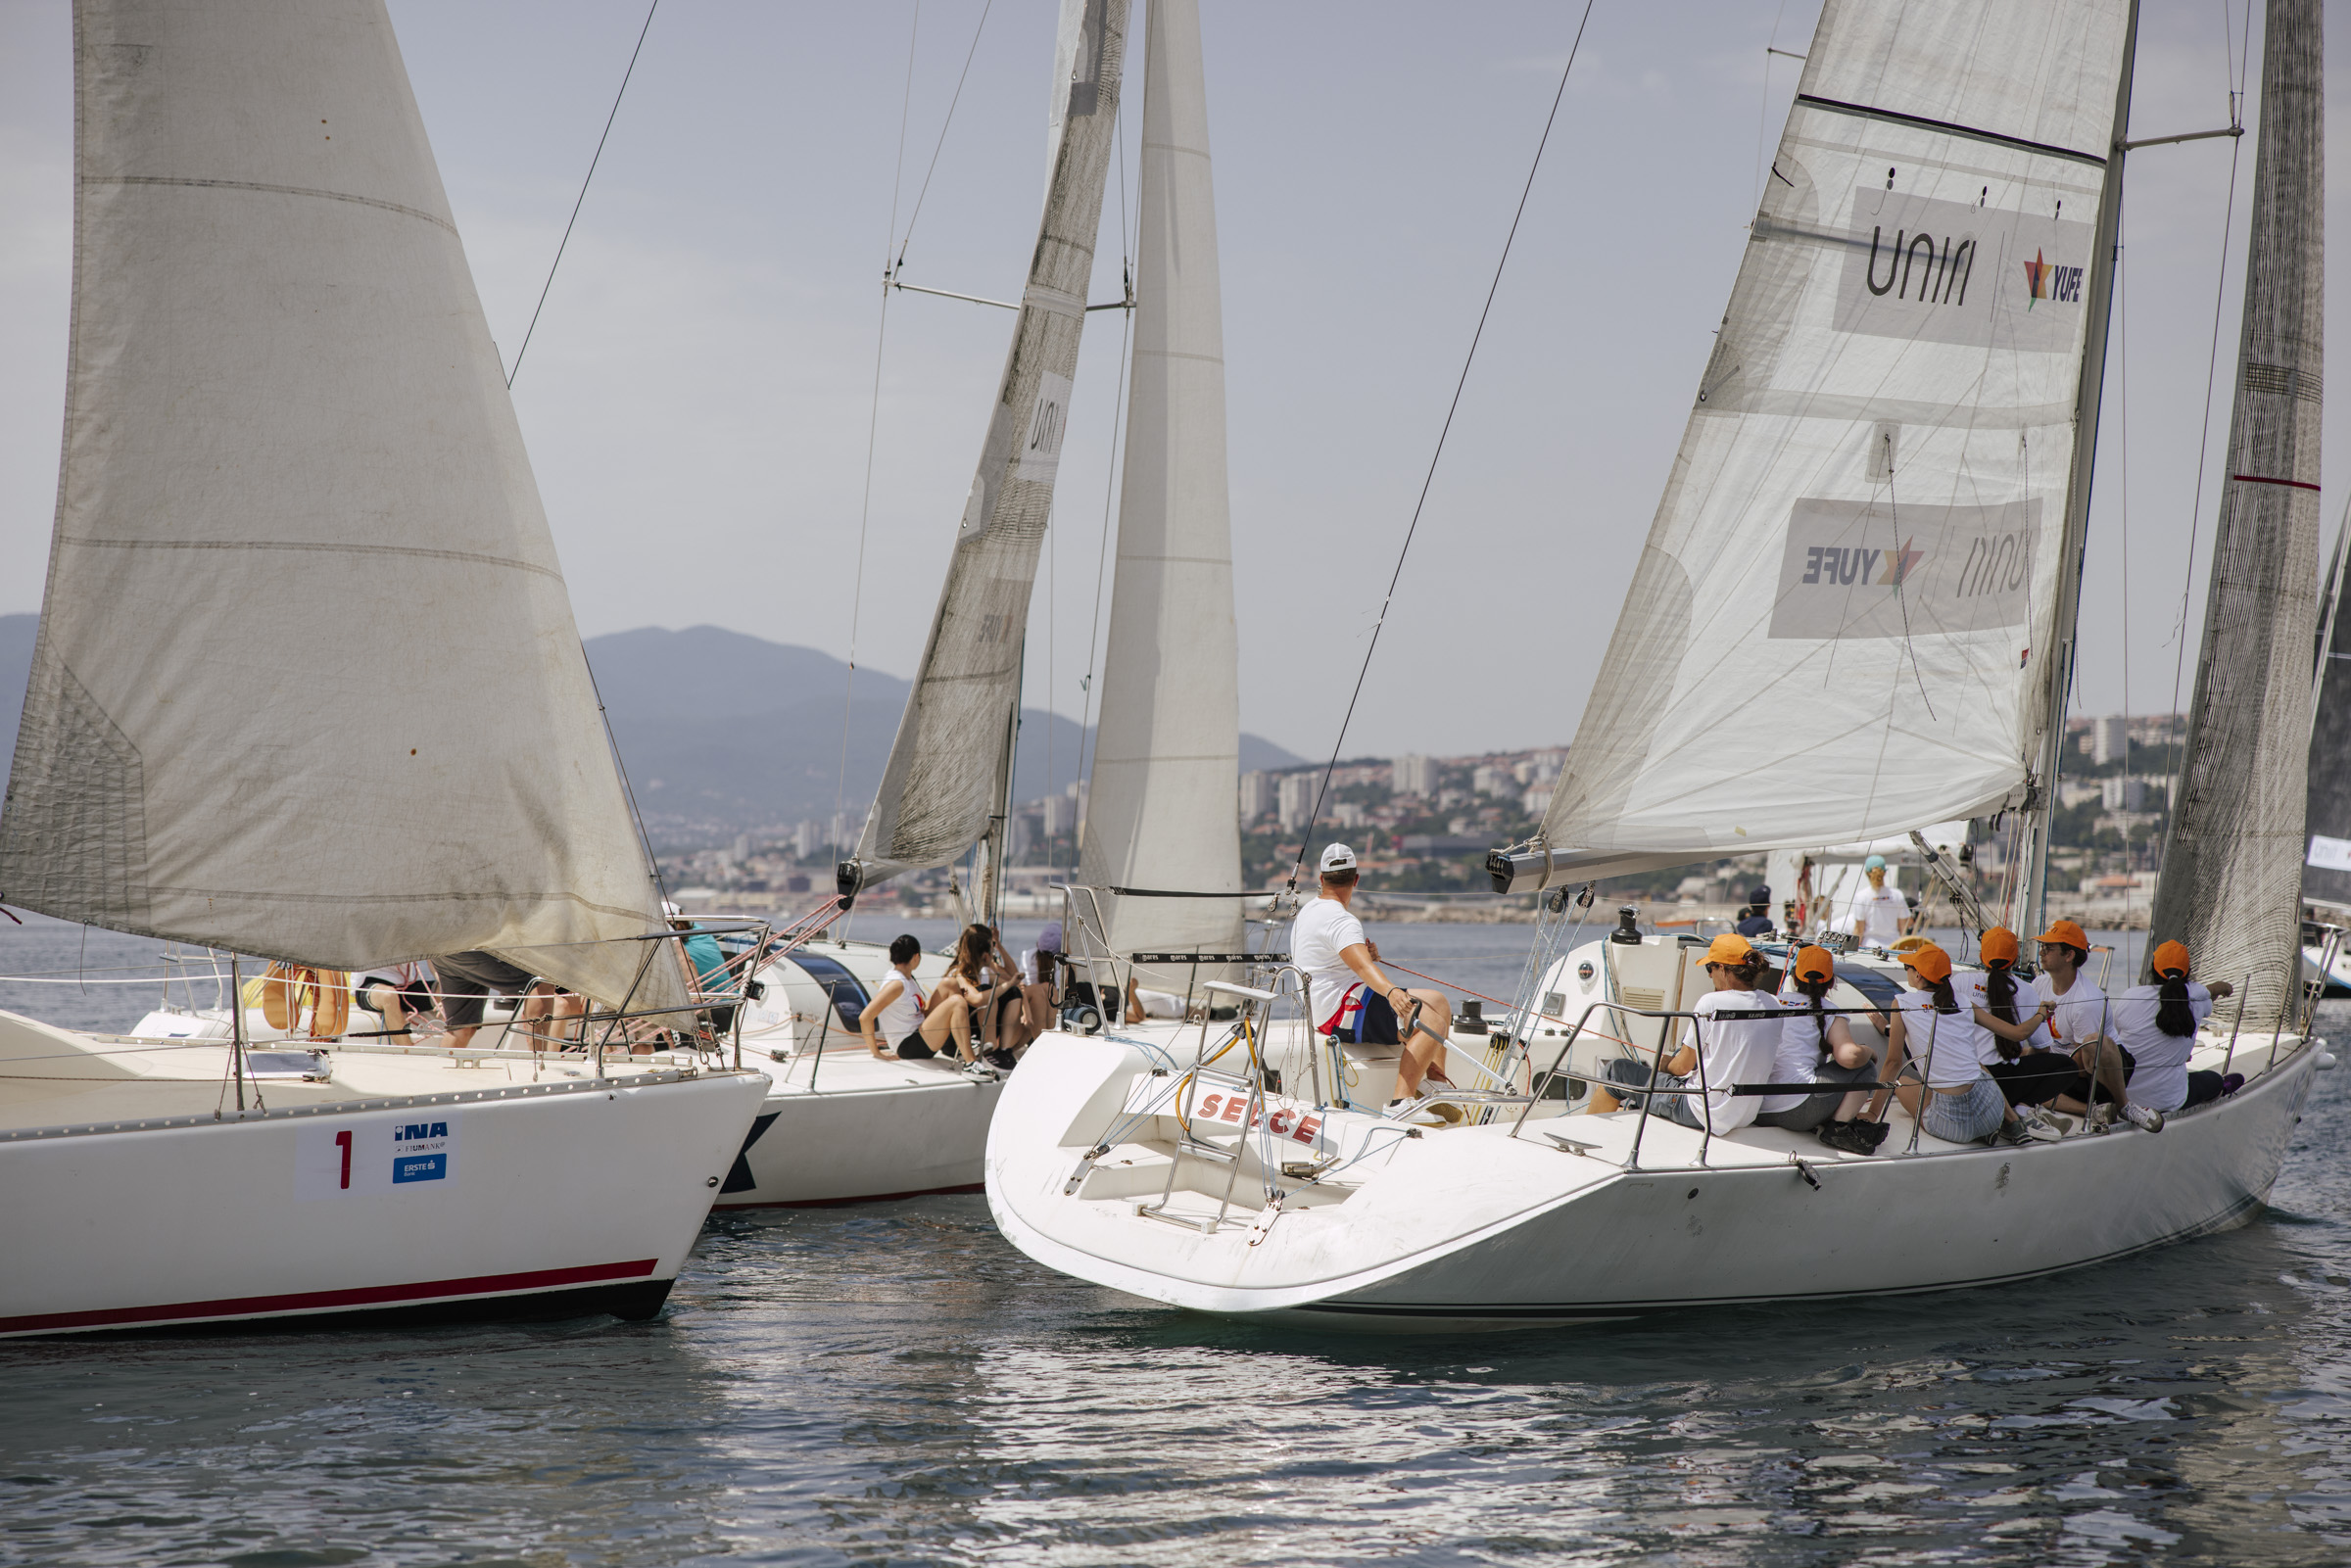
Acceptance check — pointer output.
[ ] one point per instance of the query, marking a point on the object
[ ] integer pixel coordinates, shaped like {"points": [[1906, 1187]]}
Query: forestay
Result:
{"points": [[935, 799], [307, 682], [2233, 858], [1838, 626], [1162, 809]]}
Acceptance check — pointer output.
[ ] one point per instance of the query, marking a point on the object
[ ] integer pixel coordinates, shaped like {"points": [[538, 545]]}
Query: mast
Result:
{"points": [[2042, 783], [2326, 868], [2234, 856]]}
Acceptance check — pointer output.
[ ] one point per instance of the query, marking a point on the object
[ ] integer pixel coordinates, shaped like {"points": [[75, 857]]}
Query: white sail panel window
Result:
{"points": [[936, 790], [1163, 811], [1838, 624], [307, 682]]}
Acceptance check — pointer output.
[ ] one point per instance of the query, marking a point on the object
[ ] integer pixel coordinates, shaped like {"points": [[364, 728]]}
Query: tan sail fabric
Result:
{"points": [[1163, 807], [1838, 624], [934, 803], [307, 682], [2232, 860]]}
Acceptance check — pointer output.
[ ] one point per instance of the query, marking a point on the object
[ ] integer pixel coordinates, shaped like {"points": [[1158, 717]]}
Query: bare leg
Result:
{"points": [[1424, 1052], [1038, 1000], [948, 1026]]}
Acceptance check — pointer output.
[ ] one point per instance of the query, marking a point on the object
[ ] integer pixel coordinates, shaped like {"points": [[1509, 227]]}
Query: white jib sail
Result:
{"points": [[1837, 626], [934, 799], [1163, 810], [307, 682]]}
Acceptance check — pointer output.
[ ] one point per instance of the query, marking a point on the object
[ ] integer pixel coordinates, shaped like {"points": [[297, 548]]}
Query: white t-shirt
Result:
{"points": [[1881, 912], [2082, 1013], [1736, 1051], [902, 1013], [1973, 988], [1322, 930], [2159, 1075], [1950, 1047], [1799, 1054]]}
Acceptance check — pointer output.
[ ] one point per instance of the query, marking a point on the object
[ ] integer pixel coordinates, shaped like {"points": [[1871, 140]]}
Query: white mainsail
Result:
{"points": [[936, 795], [307, 682], [1163, 812], [1842, 622], [2233, 860]]}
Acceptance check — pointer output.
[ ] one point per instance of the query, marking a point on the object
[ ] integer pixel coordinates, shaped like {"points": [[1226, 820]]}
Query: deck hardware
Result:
{"points": [[1806, 1170], [1569, 1144]]}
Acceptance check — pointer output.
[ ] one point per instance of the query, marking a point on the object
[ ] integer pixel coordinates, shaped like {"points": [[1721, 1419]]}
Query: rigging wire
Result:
{"points": [[1430, 478], [2220, 301], [583, 195], [873, 426], [1093, 637], [915, 215]]}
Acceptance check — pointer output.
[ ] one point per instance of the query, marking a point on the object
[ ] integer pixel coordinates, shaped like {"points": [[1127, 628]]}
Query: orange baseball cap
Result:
{"points": [[1729, 949], [1999, 945], [1814, 964], [2169, 957], [1930, 962], [2066, 932]]}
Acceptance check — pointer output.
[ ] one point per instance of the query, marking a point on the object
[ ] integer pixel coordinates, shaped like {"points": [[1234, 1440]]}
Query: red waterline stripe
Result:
{"points": [[364, 1296], [2257, 479]]}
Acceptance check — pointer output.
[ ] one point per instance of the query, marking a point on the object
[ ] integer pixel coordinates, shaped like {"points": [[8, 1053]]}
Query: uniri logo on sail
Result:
{"points": [[1853, 570], [1932, 271]]}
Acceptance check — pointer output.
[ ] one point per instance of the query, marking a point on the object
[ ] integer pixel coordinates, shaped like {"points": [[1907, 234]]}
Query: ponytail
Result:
{"points": [[1999, 991], [2175, 1016], [1940, 990]]}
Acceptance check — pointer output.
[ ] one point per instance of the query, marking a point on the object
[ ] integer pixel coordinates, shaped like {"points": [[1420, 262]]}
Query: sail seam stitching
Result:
{"points": [[274, 190], [1953, 127], [419, 551]]}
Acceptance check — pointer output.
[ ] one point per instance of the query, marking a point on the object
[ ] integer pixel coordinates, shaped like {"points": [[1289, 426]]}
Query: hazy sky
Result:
{"points": [[697, 398]]}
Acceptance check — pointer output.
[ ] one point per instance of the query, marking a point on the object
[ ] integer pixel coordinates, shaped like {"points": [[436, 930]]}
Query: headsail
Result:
{"points": [[307, 682], [2232, 860], [1839, 624], [934, 803], [2327, 865], [1162, 809]]}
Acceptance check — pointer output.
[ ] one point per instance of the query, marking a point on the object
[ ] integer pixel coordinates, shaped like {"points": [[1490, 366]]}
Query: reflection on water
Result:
{"points": [[894, 1383]]}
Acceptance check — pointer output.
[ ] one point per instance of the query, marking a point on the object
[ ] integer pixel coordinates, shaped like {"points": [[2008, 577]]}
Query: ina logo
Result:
{"points": [[2046, 280]]}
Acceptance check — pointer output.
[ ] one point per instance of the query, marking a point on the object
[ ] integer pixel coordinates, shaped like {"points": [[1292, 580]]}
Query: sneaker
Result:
{"points": [[2101, 1118], [1872, 1134], [2011, 1133], [2140, 1116], [2040, 1125], [1844, 1137], [2232, 1083], [1402, 1107]]}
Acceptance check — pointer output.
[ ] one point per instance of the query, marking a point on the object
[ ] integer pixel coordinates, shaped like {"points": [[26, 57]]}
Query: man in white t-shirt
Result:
{"points": [[1878, 910], [1352, 998]]}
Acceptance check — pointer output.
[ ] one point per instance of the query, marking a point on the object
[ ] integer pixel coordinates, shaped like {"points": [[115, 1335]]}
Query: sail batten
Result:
{"points": [[307, 682], [1164, 804], [936, 796], [1861, 532], [2234, 853]]}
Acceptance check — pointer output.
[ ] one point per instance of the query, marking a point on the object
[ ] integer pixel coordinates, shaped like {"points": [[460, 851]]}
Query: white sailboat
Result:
{"points": [[283, 402], [841, 1125], [1878, 503]]}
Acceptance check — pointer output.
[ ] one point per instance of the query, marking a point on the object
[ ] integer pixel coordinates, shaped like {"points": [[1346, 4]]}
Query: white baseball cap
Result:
{"points": [[1338, 857]]}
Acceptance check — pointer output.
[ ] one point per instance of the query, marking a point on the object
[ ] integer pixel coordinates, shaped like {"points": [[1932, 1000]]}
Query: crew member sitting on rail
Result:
{"points": [[2019, 1017], [2157, 1024], [1353, 997], [1963, 1102], [1818, 1047], [396, 991], [915, 1025], [1735, 1035]]}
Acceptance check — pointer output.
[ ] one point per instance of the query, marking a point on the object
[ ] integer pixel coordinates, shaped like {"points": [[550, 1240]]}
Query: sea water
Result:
{"points": [[892, 1383]]}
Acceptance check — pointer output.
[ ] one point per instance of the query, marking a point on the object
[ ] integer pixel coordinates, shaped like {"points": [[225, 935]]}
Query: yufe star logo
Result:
{"points": [[2046, 280], [1898, 564]]}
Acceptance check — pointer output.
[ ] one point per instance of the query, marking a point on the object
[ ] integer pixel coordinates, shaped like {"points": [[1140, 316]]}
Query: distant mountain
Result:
{"points": [[723, 733]]}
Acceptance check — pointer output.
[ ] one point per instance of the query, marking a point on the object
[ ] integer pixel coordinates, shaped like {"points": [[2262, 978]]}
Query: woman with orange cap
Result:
{"points": [[1737, 1032], [1818, 1047], [1963, 1104], [2157, 1025], [2018, 1019]]}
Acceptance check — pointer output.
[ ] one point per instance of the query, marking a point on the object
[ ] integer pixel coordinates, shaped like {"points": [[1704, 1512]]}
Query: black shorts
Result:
{"points": [[417, 996], [468, 979], [2037, 1077], [2083, 1085], [914, 1049], [1374, 1023]]}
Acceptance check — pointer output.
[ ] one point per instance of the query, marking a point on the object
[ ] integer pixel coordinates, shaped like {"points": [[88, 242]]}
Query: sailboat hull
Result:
{"points": [[1473, 1227], [866, 1130], [542, 1200]]}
